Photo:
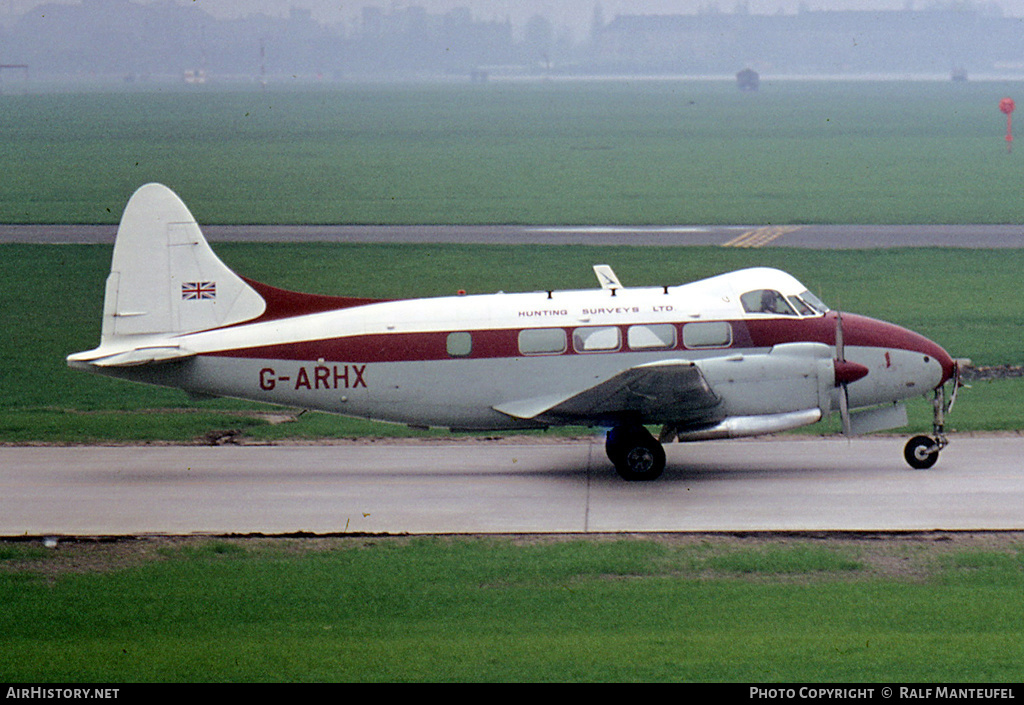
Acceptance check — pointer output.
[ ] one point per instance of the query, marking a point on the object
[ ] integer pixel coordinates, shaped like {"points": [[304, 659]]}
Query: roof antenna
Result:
{"points": [[606, 277]]}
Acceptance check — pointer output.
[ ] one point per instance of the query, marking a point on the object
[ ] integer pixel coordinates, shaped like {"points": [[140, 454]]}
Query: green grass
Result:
{"points": [[662, 152], [967, 300], [716, 609]]}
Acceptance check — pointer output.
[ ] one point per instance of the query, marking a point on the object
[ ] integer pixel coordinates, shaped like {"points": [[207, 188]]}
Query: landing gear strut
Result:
{"points": [[922, 452], [636, 454]]}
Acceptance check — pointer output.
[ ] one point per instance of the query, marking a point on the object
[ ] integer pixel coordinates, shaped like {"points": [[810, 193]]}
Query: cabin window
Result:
{"points": [[542, 341], [596, 339], [652, 337], [707, 334], [766, 301], [460, 344]]}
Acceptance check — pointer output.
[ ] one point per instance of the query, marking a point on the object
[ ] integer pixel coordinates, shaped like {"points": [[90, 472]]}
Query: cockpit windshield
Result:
{"points": [[771, 301]]}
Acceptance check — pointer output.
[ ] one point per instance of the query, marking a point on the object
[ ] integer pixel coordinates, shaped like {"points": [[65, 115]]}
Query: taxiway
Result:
{"points": [[480, 486], [742, 236]]}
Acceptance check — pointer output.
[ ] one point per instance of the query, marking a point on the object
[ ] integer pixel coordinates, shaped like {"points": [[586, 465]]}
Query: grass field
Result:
{"points": [[685, 609], [600, 152], [54, 303]]}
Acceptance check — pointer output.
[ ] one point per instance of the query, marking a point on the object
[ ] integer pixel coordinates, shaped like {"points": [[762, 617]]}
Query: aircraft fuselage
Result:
{"points": [[453, 361]]}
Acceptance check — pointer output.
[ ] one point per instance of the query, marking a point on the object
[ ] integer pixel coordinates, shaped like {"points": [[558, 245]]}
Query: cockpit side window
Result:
{"points": [[801, 307], [814, 302], [766, 301]]}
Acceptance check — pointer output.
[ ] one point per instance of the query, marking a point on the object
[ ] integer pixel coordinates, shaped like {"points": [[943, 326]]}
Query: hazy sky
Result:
{"points": [[567, 11], [574, 13]]}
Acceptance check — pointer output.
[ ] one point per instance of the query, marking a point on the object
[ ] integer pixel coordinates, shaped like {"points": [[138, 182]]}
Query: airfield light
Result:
{"points": [[1006, 105]]}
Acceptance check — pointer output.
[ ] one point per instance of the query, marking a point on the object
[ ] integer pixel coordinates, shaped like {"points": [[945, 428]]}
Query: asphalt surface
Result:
{"points": [[810, 236], [792, 484]]}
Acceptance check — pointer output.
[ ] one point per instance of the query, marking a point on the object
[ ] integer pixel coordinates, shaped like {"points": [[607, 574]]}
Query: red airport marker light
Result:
{"points": [[1006, 106]]}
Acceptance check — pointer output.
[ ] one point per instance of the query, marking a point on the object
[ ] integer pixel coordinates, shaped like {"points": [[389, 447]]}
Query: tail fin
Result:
{"points": [[164, 278], [165, 281]]}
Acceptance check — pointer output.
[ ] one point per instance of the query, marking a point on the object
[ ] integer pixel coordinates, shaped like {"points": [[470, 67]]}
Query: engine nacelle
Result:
{"points": [[789, 377]]}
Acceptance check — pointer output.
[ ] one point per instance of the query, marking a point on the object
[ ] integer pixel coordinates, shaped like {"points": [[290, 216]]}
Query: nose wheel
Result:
{"points": [[636, 454], [922, 452]]}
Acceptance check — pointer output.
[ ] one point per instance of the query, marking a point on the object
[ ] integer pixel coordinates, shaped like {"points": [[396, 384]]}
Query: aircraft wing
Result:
{"points": [[658, 392]]}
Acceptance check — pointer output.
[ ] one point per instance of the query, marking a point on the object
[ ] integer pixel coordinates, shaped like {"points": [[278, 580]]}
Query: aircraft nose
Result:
{"points": [[930, 349], [948, 365], [883, 335]]}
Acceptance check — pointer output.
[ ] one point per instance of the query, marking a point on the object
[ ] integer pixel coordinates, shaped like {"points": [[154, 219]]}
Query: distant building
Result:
{"points": [[812, 42], [748, 80], [147, 40]]}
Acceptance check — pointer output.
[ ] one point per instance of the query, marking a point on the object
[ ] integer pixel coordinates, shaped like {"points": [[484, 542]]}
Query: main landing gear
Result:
{"points": [[636, 454], [922, 452]]}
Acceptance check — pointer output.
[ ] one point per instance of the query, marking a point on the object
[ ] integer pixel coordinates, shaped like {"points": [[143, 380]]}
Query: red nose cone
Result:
{"points": [[948, 366], [847, 372], [861, 330]]}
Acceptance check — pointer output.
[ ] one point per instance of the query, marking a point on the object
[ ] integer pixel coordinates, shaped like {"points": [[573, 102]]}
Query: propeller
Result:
{"points": [[844, 396], [958, 382], [845, 373]]}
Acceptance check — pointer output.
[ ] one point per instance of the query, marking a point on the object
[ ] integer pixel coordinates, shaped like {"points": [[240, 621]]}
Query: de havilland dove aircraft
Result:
{"points": [[746, 353]]}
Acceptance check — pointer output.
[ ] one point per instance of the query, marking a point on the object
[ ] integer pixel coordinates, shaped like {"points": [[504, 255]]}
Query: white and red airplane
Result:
{"points": [[746, 353]]}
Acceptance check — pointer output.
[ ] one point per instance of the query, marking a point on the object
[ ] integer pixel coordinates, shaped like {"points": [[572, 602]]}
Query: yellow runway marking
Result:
{"points": [[758, 237]]}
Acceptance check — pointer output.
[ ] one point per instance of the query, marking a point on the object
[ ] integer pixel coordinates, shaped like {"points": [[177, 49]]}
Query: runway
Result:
{"points": [[741, 236], [480, 486]]}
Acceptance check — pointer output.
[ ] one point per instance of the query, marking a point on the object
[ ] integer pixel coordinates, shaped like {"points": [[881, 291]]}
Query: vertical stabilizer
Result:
{"points": [[164, 278]]}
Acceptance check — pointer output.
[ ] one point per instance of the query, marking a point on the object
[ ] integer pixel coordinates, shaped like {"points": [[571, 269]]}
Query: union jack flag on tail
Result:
{"points": [[193, 291]]}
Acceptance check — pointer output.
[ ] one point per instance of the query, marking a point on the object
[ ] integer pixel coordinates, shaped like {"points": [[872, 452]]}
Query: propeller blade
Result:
{"points": [[840, 347], [957, 383], [844, 409], [845, 373]]}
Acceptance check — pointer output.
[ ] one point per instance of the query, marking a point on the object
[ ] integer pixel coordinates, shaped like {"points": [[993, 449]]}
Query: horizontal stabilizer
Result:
{"points": [[129, 358]]}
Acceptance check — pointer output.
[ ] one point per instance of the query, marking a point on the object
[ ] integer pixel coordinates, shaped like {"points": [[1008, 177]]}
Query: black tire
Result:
{"points": [[636, 454], [919, 454], [614, 443]]}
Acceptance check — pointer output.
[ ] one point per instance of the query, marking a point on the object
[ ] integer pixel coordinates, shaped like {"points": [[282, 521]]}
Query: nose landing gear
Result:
{"points": [[922, 452]]}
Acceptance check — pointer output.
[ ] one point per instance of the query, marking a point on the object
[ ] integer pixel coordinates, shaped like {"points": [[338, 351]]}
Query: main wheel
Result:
{"points": [[921, 452], [636, 454]]}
